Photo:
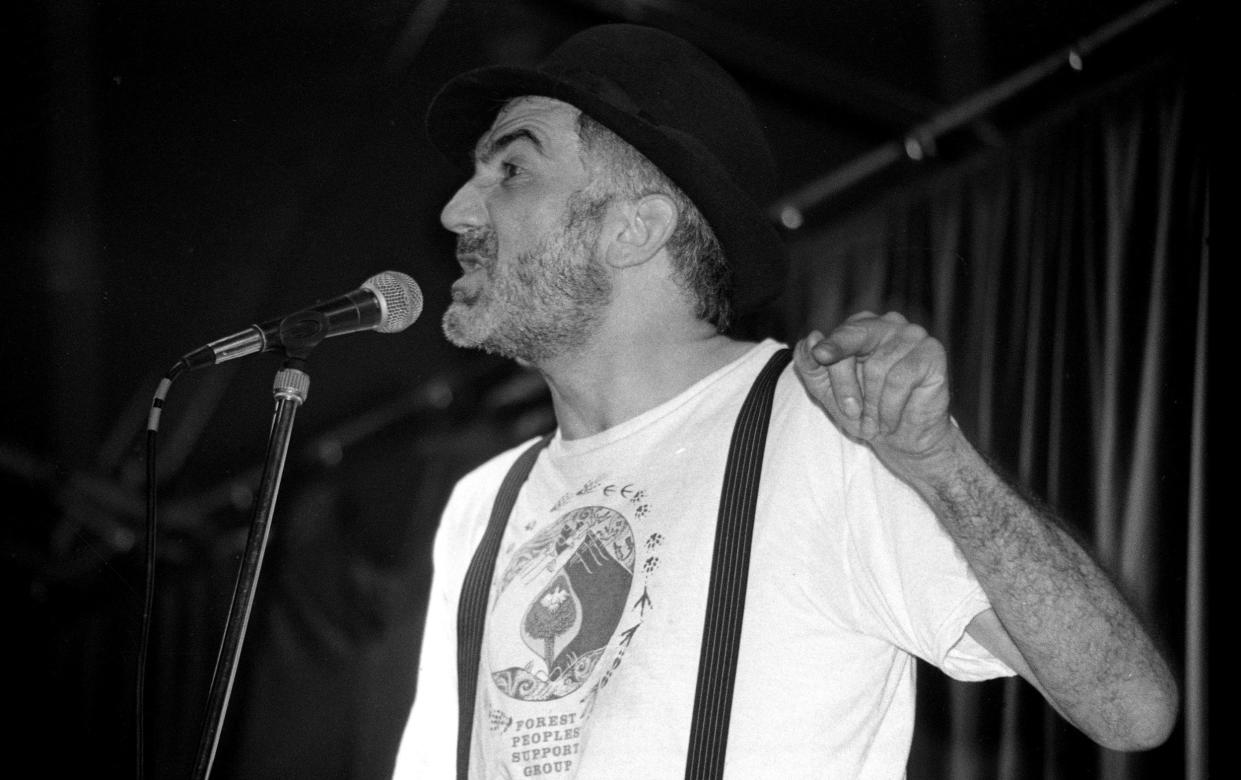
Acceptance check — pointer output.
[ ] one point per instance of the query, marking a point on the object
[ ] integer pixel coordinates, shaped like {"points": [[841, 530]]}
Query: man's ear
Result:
{"points": [[645, 226]]}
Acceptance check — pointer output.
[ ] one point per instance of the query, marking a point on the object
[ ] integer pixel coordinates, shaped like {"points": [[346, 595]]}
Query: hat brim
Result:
{"points": [[465, 108]]}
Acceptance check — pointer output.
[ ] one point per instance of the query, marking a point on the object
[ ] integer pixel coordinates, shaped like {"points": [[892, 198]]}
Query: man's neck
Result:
{"points": [[611, 381]]}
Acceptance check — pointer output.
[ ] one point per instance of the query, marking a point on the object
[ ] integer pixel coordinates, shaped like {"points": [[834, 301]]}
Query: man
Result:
{"points": [[610, 231]]}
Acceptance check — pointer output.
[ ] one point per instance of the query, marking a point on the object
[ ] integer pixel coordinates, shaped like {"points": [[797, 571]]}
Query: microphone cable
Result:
{"points": [[157, 405]]}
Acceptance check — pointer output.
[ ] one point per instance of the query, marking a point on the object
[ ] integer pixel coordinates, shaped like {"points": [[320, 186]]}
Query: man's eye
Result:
{"points": [[509, 170]]}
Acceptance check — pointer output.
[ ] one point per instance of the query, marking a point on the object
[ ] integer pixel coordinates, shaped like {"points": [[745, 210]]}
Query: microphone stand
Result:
{"points": [[289, 389]]}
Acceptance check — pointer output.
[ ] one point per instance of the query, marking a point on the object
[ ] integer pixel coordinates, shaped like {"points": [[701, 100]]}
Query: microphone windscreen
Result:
{"points": [[400, 298]]}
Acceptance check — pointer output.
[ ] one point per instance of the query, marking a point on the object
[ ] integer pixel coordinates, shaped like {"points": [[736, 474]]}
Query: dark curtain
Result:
{"points": [[1068, 275]]}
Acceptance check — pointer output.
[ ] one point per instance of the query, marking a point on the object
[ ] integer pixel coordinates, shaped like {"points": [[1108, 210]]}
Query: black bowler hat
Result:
{"points": [[668, 100]]}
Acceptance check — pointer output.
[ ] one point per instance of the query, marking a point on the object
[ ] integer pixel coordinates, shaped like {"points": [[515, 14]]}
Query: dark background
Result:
{"points": [[180, 169]]}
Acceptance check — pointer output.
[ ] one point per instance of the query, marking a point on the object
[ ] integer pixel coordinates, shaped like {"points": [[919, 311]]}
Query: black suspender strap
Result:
{"points": [[717, 665], [472, 608], [730, 569]]}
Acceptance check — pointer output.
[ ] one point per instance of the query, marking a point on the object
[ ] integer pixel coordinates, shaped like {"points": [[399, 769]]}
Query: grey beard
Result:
{"points": [[550, 312]]}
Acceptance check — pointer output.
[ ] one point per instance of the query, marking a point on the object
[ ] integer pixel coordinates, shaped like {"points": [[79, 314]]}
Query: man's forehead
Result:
{"points": [[534, 104], [543, 116]]}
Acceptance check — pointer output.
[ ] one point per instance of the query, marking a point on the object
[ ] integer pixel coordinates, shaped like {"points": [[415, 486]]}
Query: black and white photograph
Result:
{"points": [[614, 389]]}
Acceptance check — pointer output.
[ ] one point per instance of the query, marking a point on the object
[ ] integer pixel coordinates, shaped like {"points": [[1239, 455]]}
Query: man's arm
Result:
{"points": [[1058, 619]]}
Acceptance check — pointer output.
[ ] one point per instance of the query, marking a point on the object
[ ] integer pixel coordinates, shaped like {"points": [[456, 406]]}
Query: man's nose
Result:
{"points": [[464, 211]]}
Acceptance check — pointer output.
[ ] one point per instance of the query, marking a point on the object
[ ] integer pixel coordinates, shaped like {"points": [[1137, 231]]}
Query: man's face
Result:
{"points": [[527, 231]]}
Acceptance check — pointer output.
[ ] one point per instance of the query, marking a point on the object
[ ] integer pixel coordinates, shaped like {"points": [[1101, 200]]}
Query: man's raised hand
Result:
{"points": [[883, 380]]}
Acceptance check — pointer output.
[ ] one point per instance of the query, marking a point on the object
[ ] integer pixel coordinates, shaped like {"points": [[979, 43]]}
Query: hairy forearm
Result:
{"points": [[1084, 645]]}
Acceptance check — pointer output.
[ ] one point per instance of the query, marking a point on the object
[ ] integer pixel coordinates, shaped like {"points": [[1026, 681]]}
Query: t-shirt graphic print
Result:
{"points": [[569, 619], [568, 603]]}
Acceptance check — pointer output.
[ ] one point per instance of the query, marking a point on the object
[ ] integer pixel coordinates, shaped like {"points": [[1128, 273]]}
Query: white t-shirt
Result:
{"points": [[590, 655]]}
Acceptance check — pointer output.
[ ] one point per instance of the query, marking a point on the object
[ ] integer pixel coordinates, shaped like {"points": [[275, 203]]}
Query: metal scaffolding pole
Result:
{"points": [[919, 142]]}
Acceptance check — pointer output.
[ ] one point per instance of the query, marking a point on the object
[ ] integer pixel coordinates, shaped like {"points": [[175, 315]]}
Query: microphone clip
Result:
{"points": [[300, 333]]}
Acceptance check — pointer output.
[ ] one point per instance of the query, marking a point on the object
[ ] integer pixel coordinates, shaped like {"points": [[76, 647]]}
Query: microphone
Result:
{"points": [[388, 302]]}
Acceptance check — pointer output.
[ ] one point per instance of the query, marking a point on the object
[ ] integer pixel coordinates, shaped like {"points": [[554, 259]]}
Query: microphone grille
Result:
{"points": [[400, 297]]}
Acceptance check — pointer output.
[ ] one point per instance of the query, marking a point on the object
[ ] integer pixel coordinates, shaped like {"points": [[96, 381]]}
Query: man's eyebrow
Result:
{"points": [[487, 153]]}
